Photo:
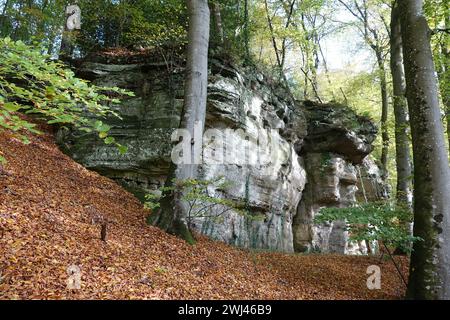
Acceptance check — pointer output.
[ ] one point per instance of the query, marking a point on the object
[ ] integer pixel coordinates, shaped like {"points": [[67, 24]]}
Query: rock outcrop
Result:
{"points": [[313, 153], [339, 173]]}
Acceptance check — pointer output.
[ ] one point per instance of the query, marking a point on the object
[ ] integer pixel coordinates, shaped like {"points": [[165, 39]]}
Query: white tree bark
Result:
{"points": [[403, 157], [172, 214], [218, 22], [430, 260]]}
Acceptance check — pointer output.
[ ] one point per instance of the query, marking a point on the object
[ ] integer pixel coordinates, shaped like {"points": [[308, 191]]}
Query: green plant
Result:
{"points": [[380, 221], [160, 270], [31, 83], [200, 200], [325, 161]]}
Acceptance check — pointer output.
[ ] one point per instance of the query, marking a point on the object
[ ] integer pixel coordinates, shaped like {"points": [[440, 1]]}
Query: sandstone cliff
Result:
{"points": [[321, 150]]}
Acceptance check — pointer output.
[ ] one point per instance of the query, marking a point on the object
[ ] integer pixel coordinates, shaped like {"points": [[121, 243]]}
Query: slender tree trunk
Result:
{"points": [[272, 35], [430, 261], [218, 21], [444, 70], [445, 88], [315, 63], [173, 211], [289, 12], [65, 50], [275, 49], [384, 114], [4, 21], [305, 57], [403, 157], [246, 32]]}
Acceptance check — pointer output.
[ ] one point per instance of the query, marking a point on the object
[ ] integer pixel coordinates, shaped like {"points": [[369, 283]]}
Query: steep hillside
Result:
{"points": [[49, 206]]}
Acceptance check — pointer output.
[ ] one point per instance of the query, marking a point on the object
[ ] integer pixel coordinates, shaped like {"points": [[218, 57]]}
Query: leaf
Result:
{"points": [[104, 128], [109, 140], [122, 149], [12, 106], [102, 134]]}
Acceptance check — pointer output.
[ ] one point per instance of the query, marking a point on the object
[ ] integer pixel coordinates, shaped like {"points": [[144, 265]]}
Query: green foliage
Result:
{"points": [[32, 84], [32, 20], [131, 23], [160, 270], [325, 161], [201, 198], [381, 221]]}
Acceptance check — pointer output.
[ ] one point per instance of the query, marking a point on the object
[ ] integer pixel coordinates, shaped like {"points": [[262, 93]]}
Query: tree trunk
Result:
{"points": [[172, 214], [403, 157], [444, 70], [289, 10], [384, 113], [218, 22], [246, 33], [445, 91], [66, 48], [4, 20], [272, 35], [430, 261], [275, 49]]}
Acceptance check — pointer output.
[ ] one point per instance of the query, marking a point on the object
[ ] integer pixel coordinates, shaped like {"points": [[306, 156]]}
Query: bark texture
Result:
{"points": [[173, 211], [66, 48], [430, 264], [384, 112], [403, 156], [218, 22], [444, 69]]}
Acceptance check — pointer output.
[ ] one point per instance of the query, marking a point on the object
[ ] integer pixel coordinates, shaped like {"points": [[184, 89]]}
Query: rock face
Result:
{"points": [[339, 173], [312, 153], [333, 182]]}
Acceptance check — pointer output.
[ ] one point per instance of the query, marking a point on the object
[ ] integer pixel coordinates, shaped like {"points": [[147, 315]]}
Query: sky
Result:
{"points": [[341, 52], [344, 50]]}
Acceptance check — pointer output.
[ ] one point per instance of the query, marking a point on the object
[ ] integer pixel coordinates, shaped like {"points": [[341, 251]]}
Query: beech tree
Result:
{"points": [[443, 60], [171, 216], [215, 7], [430, 261], [402, 151]]}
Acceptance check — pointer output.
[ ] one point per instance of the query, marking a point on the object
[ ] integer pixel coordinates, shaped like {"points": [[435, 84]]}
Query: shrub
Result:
{"points": [[380, 221], [31, 83], [201, 202]]}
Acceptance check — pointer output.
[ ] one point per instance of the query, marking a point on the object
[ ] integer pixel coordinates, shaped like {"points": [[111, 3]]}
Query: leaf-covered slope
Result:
{"points": [[49, 206]]}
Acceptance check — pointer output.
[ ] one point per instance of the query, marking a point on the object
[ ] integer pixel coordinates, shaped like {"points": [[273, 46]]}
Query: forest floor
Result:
{"points": [[48, 203]]}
